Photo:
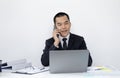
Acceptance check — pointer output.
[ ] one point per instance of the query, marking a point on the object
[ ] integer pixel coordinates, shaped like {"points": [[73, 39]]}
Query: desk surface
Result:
{"points": [[47, 74]]}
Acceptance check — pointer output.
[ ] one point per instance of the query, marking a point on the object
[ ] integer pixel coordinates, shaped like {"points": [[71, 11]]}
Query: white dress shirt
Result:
{"points": [[66, 40]]}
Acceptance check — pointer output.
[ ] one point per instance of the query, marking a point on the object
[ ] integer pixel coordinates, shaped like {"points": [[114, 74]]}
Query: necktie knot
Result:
{"points": [[64, 39]]}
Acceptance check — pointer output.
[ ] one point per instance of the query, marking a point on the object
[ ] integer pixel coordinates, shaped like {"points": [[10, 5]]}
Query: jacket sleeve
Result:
{"points": [[45, 55], [83, 46]]}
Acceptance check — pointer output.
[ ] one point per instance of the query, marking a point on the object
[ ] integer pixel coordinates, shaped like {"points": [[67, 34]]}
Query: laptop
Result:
{"points": [[68, 61]]}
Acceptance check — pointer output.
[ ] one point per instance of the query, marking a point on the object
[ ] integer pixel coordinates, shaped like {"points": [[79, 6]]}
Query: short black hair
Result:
{"points": [[59, 15]]}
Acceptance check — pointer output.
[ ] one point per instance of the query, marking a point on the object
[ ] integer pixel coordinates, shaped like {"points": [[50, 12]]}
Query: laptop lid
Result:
{"points": [[68, 61]]}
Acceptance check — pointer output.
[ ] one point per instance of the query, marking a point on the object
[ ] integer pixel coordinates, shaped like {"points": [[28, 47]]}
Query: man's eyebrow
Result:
{"points": [[66, 21], [61, 23]]}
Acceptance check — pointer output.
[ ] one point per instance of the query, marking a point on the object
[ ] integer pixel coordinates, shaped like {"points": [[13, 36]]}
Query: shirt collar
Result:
{"points": [[65, 37]]}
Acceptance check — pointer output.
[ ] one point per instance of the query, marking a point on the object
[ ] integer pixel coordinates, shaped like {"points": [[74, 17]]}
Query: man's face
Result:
{"points": [[63, 25]]}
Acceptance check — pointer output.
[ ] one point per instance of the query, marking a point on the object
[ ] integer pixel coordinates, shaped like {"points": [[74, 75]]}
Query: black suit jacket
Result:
{"points": [[75, 43]]}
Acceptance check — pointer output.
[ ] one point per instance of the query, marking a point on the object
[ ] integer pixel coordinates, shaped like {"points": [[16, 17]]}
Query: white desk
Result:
{"points": [[47, 74]]}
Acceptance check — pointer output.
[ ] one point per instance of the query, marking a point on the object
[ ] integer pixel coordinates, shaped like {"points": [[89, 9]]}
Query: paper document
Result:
{"points": [[21, 66], [32, 70], [99, 69], [15, 62]]}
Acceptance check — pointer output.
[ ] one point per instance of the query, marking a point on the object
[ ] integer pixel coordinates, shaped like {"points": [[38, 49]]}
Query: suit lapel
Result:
{"points": [[60, 46], [71, 40]]}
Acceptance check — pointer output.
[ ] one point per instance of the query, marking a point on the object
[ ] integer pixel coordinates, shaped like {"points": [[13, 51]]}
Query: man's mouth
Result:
{"points": [[64, 31]]}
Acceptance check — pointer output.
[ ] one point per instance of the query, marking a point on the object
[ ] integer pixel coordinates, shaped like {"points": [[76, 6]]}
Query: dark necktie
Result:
{"points": [[64, 43]]}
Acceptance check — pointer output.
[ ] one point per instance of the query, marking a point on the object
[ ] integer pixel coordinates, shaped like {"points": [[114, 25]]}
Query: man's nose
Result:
{"points": [[63, 26]]}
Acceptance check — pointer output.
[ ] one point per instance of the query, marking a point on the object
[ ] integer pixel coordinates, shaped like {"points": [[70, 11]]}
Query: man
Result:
{"points": [[62, 39]]}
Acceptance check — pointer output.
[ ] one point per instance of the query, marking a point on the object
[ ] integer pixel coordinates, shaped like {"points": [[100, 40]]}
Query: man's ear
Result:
{"points": [[70, 24]]}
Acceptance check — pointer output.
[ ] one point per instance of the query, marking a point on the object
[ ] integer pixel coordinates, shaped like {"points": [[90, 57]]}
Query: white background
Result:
{"points": [[26, 24]]}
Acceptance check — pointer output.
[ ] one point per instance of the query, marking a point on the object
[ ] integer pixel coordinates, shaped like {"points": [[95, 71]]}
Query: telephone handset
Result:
{"points": [[58, 33]]}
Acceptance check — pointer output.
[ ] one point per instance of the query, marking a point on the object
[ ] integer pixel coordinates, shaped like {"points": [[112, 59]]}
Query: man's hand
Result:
{"points": [[56, 38]]}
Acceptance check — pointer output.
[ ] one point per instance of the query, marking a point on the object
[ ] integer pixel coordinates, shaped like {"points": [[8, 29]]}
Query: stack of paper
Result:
{"points": [[16, 64], [32, 70]]}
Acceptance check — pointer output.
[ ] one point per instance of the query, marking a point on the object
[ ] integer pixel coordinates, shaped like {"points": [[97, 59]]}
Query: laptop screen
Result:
{"points": [[68, 61]]}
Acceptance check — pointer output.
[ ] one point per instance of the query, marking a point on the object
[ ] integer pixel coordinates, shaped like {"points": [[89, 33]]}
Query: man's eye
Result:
{"points": [[59, 24], [66, 23]]}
